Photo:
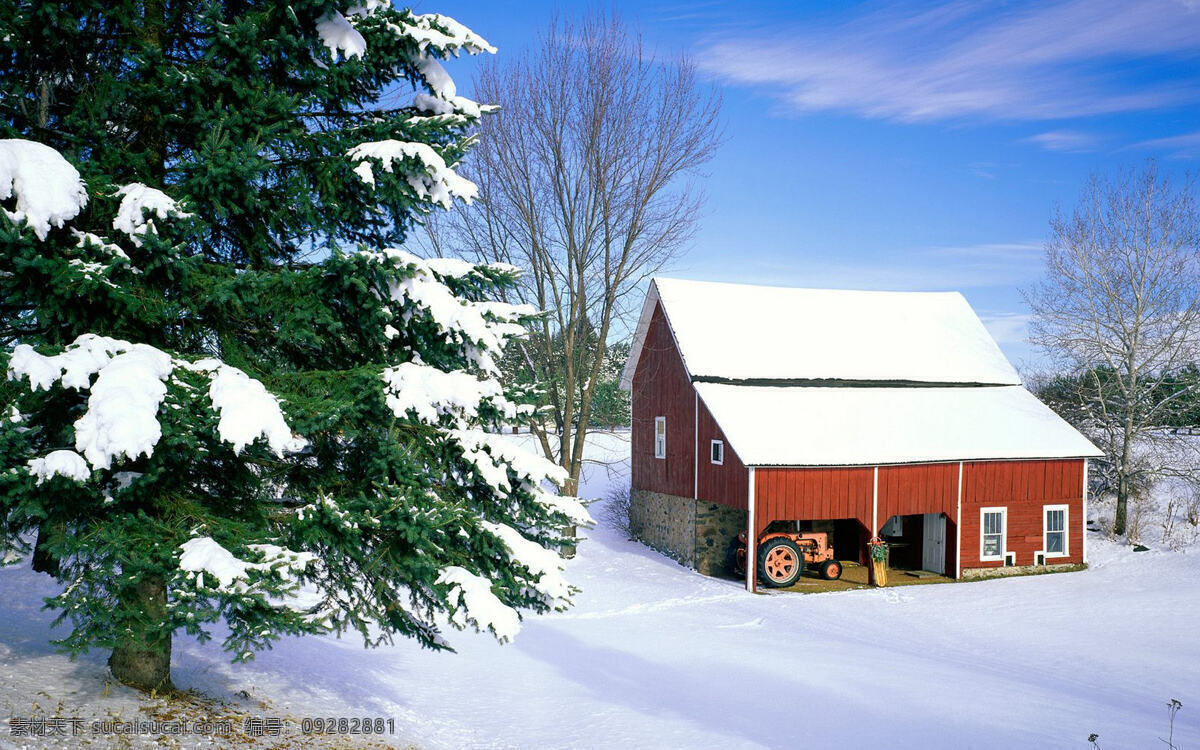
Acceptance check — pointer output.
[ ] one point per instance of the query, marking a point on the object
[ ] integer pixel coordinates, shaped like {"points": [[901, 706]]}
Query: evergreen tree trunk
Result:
{"points": [[142, 661]]}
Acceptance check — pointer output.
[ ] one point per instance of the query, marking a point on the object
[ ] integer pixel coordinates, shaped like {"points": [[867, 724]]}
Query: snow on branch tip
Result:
{"points": [[126, 385], [47, 189]]}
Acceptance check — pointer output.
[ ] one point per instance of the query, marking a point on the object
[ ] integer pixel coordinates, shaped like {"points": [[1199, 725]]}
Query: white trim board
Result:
{"points": [[1003, 511], [751, 536], [958, 527], [875, 504], [1066, 530], [695, 445], [1084, 520]]}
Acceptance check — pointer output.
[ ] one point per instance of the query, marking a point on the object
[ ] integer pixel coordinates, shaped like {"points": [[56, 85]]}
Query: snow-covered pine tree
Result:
{"points": [[228, 398]]}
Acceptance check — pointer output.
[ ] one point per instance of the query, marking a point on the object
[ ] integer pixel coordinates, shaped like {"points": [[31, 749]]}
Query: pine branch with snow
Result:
{"points": [[229, 397]]}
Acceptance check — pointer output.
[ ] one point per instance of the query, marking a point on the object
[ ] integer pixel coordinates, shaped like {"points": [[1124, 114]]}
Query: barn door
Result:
{"points": [[933, 547]]}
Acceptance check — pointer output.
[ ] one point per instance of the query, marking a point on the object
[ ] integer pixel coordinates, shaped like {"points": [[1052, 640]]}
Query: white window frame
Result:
{"points": [[660, 449], [1003, 511], [1066, 531], [719, 447]]}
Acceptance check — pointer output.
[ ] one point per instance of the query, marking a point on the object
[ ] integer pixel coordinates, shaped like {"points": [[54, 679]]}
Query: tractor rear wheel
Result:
{"points": [[830, 570], [731, 558], [779, 562]]}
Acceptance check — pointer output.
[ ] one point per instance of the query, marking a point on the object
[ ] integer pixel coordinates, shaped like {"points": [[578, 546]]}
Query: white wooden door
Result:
{"points": [[933, 548]]}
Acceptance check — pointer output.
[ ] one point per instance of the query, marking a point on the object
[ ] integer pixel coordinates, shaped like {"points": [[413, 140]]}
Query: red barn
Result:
{"points": [[859, 414]]}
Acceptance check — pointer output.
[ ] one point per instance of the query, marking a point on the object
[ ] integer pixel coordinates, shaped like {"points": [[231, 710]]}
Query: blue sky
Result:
{"points": [[914, 146]]}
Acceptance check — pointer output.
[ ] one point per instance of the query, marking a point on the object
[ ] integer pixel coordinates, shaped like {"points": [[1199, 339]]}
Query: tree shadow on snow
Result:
{"points": [[312, 669], [729, 702], [302, 663]]}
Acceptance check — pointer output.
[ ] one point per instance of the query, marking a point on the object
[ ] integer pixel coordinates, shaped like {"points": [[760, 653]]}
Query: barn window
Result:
{"points": [[718, 452], [1054, 530], [993, 523], [660, 437]]}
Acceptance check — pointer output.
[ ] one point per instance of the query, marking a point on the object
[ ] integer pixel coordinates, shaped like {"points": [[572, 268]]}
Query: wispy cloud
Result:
{"points": [[1071, 141], [1186, 146], [919, 62], [924, 269], [1006, 327]]}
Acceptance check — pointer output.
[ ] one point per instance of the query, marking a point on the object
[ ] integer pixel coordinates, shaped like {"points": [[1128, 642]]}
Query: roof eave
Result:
{"points": [[639, 337], [921, 461]]}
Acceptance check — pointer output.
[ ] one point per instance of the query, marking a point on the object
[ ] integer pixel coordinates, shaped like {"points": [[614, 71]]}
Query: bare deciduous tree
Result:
{"points": [[1120, 307], [584, 185]]}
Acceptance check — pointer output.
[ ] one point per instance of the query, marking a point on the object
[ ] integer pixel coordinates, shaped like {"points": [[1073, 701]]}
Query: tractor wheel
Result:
{"points": [[779, 562], [830, 570]]}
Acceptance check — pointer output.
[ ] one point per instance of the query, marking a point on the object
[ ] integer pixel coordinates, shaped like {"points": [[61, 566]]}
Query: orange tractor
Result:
{"points": [[782, 556]]}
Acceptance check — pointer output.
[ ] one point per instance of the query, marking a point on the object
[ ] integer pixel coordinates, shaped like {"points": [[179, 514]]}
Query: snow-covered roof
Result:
{"points": [[848, 426], [742, 332]]}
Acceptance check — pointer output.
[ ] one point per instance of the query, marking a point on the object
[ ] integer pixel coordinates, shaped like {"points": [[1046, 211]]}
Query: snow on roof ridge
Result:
{"points": [[803, 334], [671, 280]]}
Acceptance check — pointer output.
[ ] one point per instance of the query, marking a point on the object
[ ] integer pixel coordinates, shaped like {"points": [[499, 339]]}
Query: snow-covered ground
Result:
{"points": [[654, 655]]}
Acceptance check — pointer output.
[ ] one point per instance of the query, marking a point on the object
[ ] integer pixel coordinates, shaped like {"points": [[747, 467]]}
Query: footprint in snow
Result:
{"points": [[757, 622], [895, 597]]}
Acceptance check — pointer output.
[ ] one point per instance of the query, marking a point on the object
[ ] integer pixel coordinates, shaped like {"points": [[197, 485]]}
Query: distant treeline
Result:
{"points": [[1085, 398]]}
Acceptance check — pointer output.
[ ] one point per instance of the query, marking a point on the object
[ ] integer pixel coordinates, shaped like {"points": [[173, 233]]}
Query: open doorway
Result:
{"points": [[916, 542]]}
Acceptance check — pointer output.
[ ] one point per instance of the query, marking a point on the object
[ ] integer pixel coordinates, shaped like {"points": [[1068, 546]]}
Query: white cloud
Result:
{"points": [[918, 62], [1186, 146], [1071, 141], [990, 265], [1007, 328]]}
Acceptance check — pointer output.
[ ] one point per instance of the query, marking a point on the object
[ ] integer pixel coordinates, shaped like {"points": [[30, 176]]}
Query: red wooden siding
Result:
{"points": [[918, 488], [783, 494], [922, 488], [847, 492], [1023, 487], [728, 483], [661, 387]]}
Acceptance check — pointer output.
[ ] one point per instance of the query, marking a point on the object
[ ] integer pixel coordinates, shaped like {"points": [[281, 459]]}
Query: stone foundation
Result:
{"points": [[694, 533], [716, 527], [1017, 570], [664, 522]]}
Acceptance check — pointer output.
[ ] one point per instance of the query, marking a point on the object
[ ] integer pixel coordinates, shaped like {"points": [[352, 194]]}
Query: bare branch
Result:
{"points": [[1120, 308], [587, 183]]}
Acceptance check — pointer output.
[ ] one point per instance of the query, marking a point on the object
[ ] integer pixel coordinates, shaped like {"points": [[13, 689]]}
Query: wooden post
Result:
{"points": [[751, 538], [958, 527], [872, 570], [875, 504], [1084, 514]]}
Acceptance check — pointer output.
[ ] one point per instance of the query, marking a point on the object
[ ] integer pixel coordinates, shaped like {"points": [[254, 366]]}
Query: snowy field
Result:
{"points": [[654, 655]]}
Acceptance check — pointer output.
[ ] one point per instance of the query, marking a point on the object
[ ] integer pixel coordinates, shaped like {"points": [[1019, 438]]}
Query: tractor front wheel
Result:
{"points": [[779, 562], [830, 570]]}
